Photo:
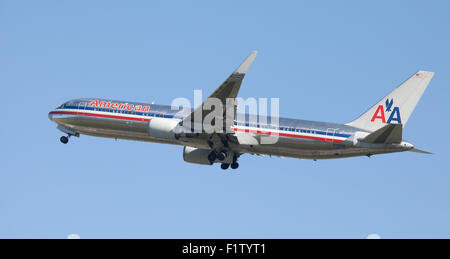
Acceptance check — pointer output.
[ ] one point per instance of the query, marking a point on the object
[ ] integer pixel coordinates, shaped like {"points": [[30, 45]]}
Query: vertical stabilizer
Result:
{"points": [[397, 106]]}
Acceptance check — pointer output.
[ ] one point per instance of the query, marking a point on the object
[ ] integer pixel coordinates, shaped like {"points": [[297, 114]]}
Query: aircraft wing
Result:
{"points": [[227, 92]]}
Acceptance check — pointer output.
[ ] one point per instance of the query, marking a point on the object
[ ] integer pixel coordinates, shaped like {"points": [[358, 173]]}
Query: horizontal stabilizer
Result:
{"points": [[389, 134], [420, 151]]}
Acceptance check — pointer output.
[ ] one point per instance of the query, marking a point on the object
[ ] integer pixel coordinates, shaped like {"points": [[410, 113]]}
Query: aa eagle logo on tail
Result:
{"points": [[389, 104], [394, 113]]}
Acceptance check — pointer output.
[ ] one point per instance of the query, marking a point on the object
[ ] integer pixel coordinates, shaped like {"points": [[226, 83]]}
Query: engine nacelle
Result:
{"points": [[196, 155], [162, 128]]}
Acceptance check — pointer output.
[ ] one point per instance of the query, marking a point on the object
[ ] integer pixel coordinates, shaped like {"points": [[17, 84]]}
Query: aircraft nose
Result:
{"points": [[50, 116]]}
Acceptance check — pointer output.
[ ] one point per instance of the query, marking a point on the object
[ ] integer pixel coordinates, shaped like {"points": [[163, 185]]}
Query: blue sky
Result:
{"points": [[325, 60]]}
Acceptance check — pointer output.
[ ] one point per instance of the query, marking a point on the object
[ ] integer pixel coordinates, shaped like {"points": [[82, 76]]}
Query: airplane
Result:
{"points": [[377, 131]]}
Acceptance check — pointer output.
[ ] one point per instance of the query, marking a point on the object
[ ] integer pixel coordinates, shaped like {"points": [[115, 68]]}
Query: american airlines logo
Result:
{"points": [[120, 106], [393, 112]]}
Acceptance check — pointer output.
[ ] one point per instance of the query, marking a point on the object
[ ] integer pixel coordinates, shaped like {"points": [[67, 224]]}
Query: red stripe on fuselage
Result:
{"points": [[287, 135], [234, 129], [100, 115]]}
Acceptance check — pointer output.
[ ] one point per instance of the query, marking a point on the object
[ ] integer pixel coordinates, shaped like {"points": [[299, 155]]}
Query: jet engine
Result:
{"points": [[162, 128], [196, 155]]}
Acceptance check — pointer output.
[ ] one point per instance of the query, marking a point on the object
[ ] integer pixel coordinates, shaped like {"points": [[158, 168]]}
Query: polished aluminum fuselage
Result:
{"points": [[297, 138]]}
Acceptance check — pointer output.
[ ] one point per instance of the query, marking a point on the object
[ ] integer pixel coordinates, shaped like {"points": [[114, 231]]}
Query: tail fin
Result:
{"points": [[397, 106]]}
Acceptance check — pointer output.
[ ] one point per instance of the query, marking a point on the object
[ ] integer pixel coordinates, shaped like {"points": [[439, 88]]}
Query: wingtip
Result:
{"points": [[431, 73], [243, 68]]}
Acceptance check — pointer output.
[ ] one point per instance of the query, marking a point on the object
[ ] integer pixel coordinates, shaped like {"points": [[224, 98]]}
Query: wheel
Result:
{"points": [[64, 139], [221, 156], [235, 158], [212, 156], [224, 166], [234, 165]]}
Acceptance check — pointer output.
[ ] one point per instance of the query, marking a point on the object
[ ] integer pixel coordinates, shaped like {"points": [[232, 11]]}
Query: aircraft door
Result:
{"points": [[331, 133], [81, 107]]}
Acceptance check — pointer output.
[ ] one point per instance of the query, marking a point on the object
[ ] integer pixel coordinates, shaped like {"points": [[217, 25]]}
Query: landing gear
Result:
{"points": [[69, 131], [226, 159], [225, 166], [212, 157], [221, 156], [235, 164], [64, 139]]}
